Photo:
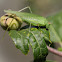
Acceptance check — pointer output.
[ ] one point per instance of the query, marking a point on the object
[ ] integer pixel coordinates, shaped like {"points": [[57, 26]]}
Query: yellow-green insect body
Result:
{"points": [[14, 19], [35, 20]]}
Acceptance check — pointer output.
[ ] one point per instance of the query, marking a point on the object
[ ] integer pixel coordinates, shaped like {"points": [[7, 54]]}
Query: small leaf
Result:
{"points": [[53, 35], [20, 40], [56, 21]]}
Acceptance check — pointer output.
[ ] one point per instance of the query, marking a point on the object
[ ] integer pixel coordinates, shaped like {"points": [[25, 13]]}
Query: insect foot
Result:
{"points": [[10, 22]]}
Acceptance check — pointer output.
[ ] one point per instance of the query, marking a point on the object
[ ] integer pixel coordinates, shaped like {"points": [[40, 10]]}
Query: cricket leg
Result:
{"points": [[28, 7]]}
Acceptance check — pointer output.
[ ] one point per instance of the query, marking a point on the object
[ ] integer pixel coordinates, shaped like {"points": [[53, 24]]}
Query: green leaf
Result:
{"points": [[46, 34], [56, 21], [56, 28], [20, 40], [53, 35], [35, 38], [38, 44]]}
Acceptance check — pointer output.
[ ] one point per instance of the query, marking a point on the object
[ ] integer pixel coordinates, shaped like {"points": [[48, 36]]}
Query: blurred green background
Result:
{"points": [[8, 51]]}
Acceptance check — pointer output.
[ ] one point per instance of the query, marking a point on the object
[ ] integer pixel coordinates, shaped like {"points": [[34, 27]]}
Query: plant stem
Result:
{"points": [[54, 51]]}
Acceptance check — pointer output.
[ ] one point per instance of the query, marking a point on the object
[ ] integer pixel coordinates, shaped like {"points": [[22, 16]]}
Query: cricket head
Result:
{"points": [[10, 21]]}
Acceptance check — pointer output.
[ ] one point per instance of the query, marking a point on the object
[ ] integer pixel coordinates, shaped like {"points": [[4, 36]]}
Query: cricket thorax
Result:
{"points": [[10, 21]]}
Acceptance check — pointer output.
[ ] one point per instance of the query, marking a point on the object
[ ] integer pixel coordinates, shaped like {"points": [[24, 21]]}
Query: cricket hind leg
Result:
{"points": [[28, 7]]}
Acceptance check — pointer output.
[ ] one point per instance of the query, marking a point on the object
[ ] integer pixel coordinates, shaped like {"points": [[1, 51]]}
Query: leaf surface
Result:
{"points": [[56, 27], [34, 37], [20, 40]]}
